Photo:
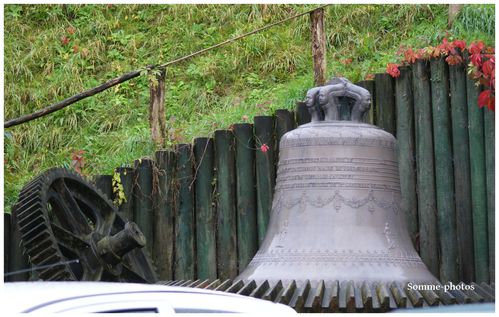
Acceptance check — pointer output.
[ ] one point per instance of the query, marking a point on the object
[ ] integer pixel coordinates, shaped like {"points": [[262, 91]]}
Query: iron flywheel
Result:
{"points": [[75, 232]]}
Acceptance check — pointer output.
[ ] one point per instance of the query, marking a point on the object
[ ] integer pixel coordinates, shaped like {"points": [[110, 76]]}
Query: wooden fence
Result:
{"points": [[204, 207]]}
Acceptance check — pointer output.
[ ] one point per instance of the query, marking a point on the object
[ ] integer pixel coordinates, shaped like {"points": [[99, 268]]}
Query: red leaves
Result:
{"points": [[445, 46], [481, 67], [71, 30], [393, 70], [78, 161], [460, 44], [476, 48], [488, 67], [476, 59], [369, 76], [454, 59], [487, 99], [64, 40], [433, 52], [264, 148], [410, 56], [67, 37], [347, 61]]}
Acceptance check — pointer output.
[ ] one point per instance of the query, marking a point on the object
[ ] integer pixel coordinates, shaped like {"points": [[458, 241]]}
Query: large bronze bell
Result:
{"points": [[336, 209]]}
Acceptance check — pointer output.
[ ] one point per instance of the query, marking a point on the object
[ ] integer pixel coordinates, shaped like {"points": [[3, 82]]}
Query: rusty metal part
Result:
{"points": [[335, 296], [62, 217]]}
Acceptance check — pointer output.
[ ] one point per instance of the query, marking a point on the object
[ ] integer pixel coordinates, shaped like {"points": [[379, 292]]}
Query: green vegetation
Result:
{"points": [[55, 51]]}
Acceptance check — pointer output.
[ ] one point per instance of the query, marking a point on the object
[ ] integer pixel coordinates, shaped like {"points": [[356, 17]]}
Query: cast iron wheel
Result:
{"points": [[63, 218]]}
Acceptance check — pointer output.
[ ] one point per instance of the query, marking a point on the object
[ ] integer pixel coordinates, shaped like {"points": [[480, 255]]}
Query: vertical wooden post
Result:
{"points": [[302, 114], [205, 213], [226, 205], [164, 236], [425, 167], [489, 133], [142, 208], [406, 151], [283, 123], [126, 178], [6, 243], [157, 108], [478, 182], [265, 171], [318, 46], [247, 237], [444, 173], [369, 85], [185, 252], [385, 103], [462, 178], [105, 184]]}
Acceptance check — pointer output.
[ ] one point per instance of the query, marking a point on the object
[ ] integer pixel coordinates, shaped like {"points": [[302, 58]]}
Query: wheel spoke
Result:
{"points": [[68, 239], [105, 220], [69, 212]]}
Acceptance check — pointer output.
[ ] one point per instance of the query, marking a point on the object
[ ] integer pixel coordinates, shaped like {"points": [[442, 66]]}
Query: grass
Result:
{"points": [[255, 76]]}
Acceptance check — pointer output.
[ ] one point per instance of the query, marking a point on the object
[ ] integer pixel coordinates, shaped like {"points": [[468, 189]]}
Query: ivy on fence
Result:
{"points": [[481, 67]]}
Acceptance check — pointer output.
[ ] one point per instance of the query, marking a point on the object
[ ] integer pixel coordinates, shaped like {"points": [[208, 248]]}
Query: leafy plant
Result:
{"points": [[481, 67], [118, 190]]}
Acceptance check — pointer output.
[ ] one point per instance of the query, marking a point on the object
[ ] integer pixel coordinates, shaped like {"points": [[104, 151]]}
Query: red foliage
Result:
{"points": [[64, 40], [347, 61], [493, 79], [71, 30], [476, 59], [488, 67], [393, 70], [487, 99], [410, 56], [369, 76], [476, 48], [445, 46], [75, 48], [481, 67], [454, 59], [460, 44], [433, 52], [78, 161]]}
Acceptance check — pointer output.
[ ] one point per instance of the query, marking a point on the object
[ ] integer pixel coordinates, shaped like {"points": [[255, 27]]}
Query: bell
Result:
{"points": [[336, 209]]}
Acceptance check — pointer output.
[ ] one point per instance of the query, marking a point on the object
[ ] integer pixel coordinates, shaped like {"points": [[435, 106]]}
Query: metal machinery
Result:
{"points": [[64, 219]]}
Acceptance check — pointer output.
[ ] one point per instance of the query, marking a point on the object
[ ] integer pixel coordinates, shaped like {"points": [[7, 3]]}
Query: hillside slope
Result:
{"points": [[55, 51]]}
